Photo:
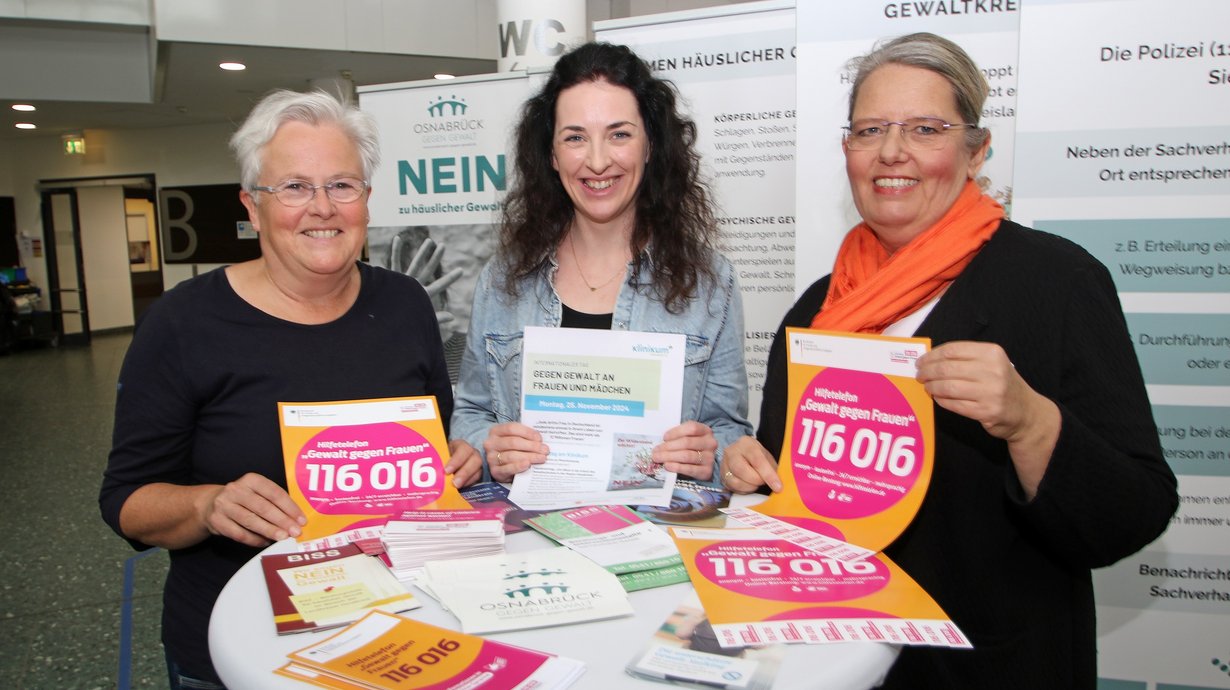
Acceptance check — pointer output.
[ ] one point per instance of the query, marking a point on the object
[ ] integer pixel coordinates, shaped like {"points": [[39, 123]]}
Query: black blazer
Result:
{"points": [[1014, 575]]}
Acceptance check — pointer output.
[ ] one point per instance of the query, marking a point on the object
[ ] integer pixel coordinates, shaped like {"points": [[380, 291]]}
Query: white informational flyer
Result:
{"points": [[601, 400], [527, 589]]}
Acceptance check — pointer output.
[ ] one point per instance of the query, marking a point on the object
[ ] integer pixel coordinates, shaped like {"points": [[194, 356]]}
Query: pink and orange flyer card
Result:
{"points": [[758, 589], [382, 650], [359, 463], [859, 445], [855, 465]]}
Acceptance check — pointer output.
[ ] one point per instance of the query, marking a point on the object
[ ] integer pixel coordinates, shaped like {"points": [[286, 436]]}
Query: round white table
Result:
{"points": [[246, 648]]}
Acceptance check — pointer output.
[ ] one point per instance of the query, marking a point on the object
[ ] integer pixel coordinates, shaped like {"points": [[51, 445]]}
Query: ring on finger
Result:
{"points": [[497, 456], [700, 458], [726, 477]]}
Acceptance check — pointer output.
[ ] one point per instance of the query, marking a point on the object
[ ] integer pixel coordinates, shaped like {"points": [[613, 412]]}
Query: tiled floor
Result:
{"points": [[62, 571]]}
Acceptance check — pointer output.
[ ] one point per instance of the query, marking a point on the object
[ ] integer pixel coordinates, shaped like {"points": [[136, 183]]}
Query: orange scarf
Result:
{"points": [[870, 290]]}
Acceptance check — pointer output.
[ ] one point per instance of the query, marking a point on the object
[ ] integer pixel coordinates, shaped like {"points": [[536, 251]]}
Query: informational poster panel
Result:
{"points": [[1123, 147], [735, 68], [446, 165], [830, 33]]}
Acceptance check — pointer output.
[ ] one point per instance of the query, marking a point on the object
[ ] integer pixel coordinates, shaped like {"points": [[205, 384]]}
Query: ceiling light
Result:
{"points": [[24, 125], [23, 107], [233, 66], [442, 75]]}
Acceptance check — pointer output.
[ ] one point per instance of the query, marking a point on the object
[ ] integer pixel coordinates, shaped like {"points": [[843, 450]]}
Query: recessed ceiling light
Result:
{"points": [[442, 75], [24, 125], [23, 107], [233, 66]]}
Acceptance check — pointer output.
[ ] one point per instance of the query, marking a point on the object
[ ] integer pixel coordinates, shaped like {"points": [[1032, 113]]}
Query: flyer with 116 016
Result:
{"points": [[387, 651], [859, 447], [357, 463]]}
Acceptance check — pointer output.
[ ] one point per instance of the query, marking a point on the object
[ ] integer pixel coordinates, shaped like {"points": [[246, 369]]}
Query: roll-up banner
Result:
{"points": [[445, 167], [735, 68], [830, 33], [1124, 147]]}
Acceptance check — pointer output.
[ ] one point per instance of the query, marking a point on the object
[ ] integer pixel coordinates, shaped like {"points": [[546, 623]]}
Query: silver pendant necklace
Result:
{"points": [[592, 288]]}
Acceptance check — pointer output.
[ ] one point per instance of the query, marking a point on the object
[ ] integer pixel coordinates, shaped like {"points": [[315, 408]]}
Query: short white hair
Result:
{"points": [[314, 108]]}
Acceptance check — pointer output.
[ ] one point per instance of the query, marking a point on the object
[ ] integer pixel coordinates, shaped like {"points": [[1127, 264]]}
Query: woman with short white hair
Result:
{"points": [[196, 463]]}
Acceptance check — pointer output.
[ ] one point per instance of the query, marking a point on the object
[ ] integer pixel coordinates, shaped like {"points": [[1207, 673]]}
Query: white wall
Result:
{"points": [[104, 251], [636, 8], [92, 63], [109, 12], [458, 28], [176, 156], [66, 255]]}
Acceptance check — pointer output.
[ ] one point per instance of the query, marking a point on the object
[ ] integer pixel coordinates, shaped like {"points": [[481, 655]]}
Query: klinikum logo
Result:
{"points": [[454, 105]]}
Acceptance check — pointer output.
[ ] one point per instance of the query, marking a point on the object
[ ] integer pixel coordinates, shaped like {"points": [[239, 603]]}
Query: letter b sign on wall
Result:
{"points": [[200, 225]]}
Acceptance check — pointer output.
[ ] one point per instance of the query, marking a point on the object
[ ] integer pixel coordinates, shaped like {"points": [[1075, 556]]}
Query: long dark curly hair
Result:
{"points": [[674, 217]]}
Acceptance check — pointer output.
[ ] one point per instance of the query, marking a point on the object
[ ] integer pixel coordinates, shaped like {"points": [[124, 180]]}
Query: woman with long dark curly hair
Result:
{"points": [[608, 225]]}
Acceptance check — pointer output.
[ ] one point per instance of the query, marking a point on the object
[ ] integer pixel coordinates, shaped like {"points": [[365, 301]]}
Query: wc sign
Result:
{"points": [[533, 33]]}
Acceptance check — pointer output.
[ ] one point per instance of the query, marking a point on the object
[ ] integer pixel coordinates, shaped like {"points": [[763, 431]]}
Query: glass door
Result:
{"points": [[65, 276]]}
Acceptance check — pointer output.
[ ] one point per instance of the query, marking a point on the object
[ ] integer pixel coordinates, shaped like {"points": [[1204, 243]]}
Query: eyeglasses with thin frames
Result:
{"points": [[916, 132], [295, 193]]}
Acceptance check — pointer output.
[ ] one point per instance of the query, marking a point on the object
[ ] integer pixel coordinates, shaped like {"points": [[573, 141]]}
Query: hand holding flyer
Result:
{"points": [[356, 463], [855, 465], [601, 400], [859, 446]]}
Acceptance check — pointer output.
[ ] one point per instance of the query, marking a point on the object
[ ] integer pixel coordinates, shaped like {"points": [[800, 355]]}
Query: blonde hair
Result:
{"points": [[936, 54]]}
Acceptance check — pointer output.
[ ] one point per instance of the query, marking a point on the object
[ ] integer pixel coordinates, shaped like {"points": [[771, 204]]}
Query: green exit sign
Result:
{"points": [[74, 146]]}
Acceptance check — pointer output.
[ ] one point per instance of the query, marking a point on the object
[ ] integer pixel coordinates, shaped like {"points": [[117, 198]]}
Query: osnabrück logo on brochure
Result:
{"points": [[523, 584], [538, 591]]}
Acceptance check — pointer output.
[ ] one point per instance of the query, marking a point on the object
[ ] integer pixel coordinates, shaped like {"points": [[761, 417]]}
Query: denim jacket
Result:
{"points": [[714, 376]]}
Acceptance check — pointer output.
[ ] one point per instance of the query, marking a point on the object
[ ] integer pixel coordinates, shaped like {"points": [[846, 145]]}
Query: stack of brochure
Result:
{"points": [[530, 589], [387, 651], [494, 496], [313, 590], [416, 536], [619, 539]]}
